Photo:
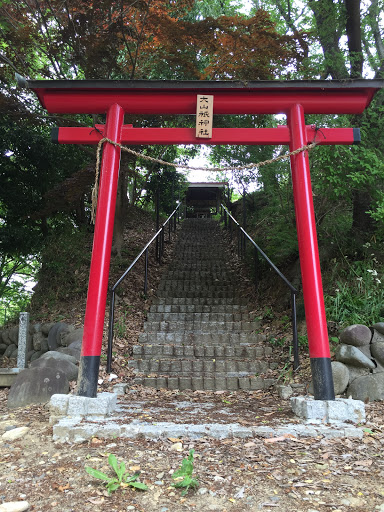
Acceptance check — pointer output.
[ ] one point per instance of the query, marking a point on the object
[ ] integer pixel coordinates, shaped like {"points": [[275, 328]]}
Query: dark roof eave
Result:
{"points": [[199, 84]]}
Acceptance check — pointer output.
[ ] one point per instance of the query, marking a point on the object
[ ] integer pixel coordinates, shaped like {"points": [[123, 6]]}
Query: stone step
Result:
{"points": [[207, 383], [167, 351], [202, 338], [199, 326], [192, 308], [198, 275], [199, 294], [196, 286], [198, 317], [199, 367], [199, 301]]}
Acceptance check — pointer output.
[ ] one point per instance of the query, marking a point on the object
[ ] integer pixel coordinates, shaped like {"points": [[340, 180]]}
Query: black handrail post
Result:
{"points": [[146, 273], [161, 242], [244, 220], [256, 267], [110, 330], [157, 222], [295, 341], [169, 231], [238, 242]]}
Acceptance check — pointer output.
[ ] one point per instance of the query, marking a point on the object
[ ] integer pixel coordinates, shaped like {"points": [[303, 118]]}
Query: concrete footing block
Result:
{"points": [[328, 411], [81, 407]]}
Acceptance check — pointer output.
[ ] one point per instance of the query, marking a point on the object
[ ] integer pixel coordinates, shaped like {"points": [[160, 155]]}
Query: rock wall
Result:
{"points": [[359, 367], [41, 338], [53, 362]]}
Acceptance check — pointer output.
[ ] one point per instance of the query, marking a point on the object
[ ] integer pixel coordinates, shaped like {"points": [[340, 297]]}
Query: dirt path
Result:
{"points": [[234, 474]]}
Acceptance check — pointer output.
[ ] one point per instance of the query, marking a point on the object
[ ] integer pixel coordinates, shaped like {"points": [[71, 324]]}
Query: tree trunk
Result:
{"points": [[362, 223], [120, 214], [353, 29], [327, 23]]}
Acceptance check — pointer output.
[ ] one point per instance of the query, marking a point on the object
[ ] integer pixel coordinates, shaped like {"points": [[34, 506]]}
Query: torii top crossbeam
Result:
{"points": [[179, 97], [293, 98]]}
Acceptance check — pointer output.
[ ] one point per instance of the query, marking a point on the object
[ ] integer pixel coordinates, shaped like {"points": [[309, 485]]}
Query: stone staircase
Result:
{"points": [[199, 334]]}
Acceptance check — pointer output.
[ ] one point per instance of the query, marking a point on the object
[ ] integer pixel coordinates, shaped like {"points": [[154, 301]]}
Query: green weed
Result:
{"points": [[183, 476], [359, 295], [122, 478]]}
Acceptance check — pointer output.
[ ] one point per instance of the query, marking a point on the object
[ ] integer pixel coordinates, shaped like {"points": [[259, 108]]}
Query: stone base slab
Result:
{"points": [[328, 411], [74, 430], [7, 376]]}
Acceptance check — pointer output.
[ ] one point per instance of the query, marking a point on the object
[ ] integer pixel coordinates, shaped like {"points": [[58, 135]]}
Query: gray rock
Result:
{"points": [[76, 344], [44, 345], [9, 350], [14, 335], [57, 355], [74, 352], [36, 386], [284, 391], [367, 387], [45, 328], [55, 334], [14, 354], [3, 348], [377, 350], [5, 337], [377, 336], [71, 337], [35, 328], [366, 350], [14, 506], [37, 339], [379, 326], [36, 355], [356, 335], [351, 355], [355, 372], [70, 369], [30, 354], [340, 374]]}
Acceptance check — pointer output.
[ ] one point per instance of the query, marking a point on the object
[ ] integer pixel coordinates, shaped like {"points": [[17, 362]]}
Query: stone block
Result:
{"points": [[78, 406], [120, 389], [197, 383], [173, 382], [284, 392], [161, 383], [185, 383], [209, 383], [244, 383], [329, 411], [58, 405]]}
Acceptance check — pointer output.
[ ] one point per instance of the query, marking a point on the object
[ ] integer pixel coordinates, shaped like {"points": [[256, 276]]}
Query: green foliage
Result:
{"points": [[358, 294], [122, 478], [16, 273], [183, 476]]}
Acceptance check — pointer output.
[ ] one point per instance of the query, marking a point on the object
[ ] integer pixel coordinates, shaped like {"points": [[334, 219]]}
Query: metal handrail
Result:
{"points": [[160, 251], [241, 250]]}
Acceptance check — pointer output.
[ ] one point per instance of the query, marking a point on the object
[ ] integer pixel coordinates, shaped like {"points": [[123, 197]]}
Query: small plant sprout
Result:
{"points": [[183, 476], [122, 478]]}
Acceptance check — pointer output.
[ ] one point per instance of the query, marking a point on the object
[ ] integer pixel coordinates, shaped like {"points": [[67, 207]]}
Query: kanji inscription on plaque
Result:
{"points": [[204, 116]]}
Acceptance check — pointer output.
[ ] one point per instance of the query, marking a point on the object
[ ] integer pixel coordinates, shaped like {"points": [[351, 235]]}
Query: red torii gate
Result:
{"points": [[294, 98]]}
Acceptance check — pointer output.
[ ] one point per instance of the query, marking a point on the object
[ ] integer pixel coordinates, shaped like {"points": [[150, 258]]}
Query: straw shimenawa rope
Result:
{"points": [[307, 147]]}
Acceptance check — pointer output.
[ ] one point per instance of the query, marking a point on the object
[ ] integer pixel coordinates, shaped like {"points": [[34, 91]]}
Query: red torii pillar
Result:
{"points": [[147, 97]]}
